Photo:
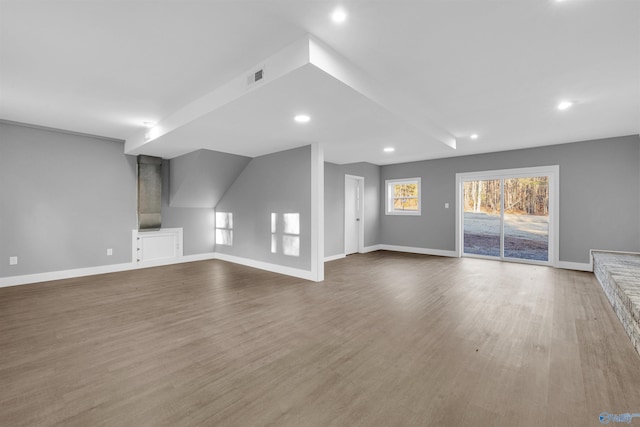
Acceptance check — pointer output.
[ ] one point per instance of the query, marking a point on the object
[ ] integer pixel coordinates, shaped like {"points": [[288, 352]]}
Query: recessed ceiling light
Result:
{"points": [[339, 15], [389, 150], [302, 118], [564, 105], [474, 136]]}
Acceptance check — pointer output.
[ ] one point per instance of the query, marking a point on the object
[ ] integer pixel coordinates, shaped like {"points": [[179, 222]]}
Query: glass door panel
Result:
{"points": [[482, 218], [526, 218]]}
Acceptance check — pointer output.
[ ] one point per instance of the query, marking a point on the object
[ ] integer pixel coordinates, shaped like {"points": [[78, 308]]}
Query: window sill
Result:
{"points": [[408, 213]]}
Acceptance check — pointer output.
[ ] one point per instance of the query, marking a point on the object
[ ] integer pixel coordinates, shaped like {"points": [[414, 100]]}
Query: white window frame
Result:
{"points": [[389, 210]]}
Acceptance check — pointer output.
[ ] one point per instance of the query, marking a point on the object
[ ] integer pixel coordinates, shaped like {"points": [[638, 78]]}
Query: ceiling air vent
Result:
{"points": [[255, 77]]}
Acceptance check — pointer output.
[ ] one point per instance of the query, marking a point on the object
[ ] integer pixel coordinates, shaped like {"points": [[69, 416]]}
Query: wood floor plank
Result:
{"points": [[387, 339]]}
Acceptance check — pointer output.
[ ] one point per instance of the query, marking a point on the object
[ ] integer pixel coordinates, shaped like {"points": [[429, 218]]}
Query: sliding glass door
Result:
{"points": [[507, 216], [526, 218], [483, 217]]}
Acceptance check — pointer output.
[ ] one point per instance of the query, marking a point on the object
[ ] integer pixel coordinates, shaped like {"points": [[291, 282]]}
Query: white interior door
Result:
{"points": [[353, 214]]}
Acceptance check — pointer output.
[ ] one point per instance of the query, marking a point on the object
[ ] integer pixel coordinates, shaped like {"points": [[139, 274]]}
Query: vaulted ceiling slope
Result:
{"points": [[429, 74]]}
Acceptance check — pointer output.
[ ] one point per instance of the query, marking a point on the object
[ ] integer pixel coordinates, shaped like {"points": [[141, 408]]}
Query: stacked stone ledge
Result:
{"points": [[619, 276]]}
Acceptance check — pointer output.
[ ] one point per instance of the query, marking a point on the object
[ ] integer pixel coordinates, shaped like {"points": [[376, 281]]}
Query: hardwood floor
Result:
{"points": [[388, 339]]}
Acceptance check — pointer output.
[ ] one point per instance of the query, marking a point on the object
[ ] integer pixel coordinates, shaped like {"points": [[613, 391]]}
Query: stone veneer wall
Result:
{"points": [[619, 276]]}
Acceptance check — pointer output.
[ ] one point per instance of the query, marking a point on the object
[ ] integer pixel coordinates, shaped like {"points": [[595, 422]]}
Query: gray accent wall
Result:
{"points": [[334, 204], [198, 232], [333, 209], [599, 195], [279, 183], [64, 200], [199, 179]]}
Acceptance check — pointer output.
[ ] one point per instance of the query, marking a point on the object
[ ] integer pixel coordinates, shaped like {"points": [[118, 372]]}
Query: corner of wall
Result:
{"points": [[282, 182]]}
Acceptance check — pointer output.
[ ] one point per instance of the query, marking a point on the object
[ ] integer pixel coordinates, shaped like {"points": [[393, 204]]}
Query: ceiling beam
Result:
{"points": [[302, 52], [403, 105]]}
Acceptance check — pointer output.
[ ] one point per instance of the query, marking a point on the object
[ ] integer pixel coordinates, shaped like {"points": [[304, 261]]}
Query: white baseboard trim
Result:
{"points": [[199, 257], [180, 260], [290, 271], [92, 271], [274, 268], [64, 274], [580, 266], [423, 251], [334, 257]]}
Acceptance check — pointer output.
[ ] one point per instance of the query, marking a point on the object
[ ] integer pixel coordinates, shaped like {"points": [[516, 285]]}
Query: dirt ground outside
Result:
{"points": [[525, 236]]}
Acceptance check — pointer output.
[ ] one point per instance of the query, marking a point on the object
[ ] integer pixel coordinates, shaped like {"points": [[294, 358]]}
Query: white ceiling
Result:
{"points": [[351, 127], [493, 67]]}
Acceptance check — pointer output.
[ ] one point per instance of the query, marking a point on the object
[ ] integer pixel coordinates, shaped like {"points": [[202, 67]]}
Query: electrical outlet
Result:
{"points": [[109, 252], [13, 260]]}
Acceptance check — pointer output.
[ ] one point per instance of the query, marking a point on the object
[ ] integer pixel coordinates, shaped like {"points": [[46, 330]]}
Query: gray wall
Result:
{"points": [[199, 179], [192, 185], [599, 195], [280, 183], [333, 209], [334, 204], [197, 223], [64, 199]]}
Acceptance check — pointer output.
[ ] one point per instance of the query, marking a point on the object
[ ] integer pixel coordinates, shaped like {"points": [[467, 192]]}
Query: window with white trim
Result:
{"points": [[224, 228], [403, 196]]}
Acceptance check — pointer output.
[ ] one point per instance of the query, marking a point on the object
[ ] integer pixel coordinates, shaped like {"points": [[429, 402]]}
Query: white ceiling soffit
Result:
{"points": [[350, 112]]}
